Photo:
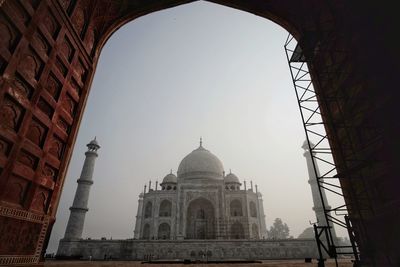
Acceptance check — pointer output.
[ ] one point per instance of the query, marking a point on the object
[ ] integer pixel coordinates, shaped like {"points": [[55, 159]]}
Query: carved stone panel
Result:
{"points": [[49, 172], [56, 147], [20, 12], [51, 24], [64, 125], [40, 200], [41, 41], [31, 65], [53, 86], [5, 147], [45, 107], [27, 159], [90, 39], [9, 33], [78, 19], [18, 237], [67, 49], [61, 67], [37, 132], [75, 87], [22, 89], [69, 105], [81, 71], [11, 114], [16, 190]]}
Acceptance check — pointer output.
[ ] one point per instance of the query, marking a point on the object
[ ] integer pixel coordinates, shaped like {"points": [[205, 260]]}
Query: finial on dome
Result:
{"points": [[201, 141], [170, 172]]}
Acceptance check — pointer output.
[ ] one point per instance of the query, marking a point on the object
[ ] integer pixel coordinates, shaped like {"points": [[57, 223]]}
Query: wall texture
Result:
{"points": [[188, 249]]}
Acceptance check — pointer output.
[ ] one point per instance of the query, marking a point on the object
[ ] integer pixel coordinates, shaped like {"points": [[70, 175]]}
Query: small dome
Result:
{"points": [[201, 163], [94, 142], [169, 178], [231, 178]]}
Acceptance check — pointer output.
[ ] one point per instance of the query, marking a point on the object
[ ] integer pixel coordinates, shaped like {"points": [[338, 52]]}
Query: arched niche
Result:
{"points": [[200, 219]]}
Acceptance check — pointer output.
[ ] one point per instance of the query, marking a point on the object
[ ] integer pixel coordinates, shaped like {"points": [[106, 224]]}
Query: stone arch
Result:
{"points": [[236, 208], [253, 209], [165, 208], [148, 210], [254, 231], [146, 231], [237, 231], [303, 19], [164, 231], [200, 219]]}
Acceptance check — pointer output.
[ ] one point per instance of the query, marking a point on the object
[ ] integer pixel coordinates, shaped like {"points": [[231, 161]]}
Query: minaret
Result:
{"points": [[318, 208], [79, 206], [139, 216]]}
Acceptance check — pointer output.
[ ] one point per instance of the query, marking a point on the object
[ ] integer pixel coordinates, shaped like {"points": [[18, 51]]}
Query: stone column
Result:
{"points": [[80, 204], [318, 208], [263, 227], [139, 217]]}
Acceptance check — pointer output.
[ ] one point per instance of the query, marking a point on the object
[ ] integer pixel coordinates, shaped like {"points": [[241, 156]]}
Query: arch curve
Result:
{"points": [[273, 11], [165, 208]]}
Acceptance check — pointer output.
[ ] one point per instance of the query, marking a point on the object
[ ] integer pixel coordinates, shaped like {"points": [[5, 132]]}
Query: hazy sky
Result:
{"points": [[166, 79]]}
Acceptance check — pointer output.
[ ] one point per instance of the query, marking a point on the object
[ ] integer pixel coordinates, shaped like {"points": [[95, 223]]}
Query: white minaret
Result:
{"points": [[138, 224], [318, 208], [79, 207]]}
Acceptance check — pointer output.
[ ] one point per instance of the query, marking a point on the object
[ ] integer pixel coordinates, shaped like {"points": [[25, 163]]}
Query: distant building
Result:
{"points": [[199, 214], [200, 203]]}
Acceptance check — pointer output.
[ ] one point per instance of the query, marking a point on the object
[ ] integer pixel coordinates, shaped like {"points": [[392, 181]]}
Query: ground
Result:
{"points": [[271, 263]]}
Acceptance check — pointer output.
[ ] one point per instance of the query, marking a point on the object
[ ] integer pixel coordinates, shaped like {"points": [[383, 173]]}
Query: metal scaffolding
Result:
{"points": [[322, 159]]}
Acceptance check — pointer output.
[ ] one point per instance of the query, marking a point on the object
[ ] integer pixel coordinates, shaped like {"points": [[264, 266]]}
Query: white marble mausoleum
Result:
{"points": [[200, 202]]}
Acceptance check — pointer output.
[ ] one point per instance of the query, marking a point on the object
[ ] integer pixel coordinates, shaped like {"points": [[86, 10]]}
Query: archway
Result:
{"points": [[148, 210], [236, 208], [254, 231], [237, 231], [51, 89], [253, 209], [200, 220], [165, 208], [164, 231], [146, 231]]}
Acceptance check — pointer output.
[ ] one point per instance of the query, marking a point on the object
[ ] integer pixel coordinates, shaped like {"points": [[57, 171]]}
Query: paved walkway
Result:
{"points": [[294, 263]]}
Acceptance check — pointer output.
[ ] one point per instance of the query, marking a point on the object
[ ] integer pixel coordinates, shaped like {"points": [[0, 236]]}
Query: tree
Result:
{"points": [[278, 230]]}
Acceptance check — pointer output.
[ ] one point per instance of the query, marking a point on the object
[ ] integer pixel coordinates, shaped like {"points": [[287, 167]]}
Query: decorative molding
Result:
{"points": [[29, 217], [21, 215]]}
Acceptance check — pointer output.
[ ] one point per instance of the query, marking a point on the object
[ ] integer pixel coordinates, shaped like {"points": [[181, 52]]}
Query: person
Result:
{"points": [[90, 258]]}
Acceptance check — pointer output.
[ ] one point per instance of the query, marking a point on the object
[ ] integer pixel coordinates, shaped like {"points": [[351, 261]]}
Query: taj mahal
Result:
{"points": [[201, 202], [200, 211]]}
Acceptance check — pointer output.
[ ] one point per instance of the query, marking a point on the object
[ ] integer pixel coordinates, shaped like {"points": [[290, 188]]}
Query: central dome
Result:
{"points": [[201, 163]]}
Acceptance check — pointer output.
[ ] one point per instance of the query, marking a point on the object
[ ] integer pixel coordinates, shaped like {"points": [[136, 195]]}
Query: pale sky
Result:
{"points": [[164, 80]]}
